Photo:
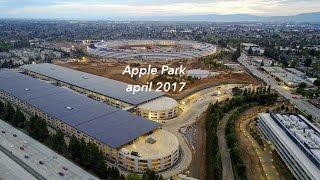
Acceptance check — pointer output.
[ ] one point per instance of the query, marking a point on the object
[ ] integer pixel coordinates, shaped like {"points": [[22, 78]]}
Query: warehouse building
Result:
{"points": [[296, 140], [106, 90], [198, 73], [286, 76], [110, 128]]}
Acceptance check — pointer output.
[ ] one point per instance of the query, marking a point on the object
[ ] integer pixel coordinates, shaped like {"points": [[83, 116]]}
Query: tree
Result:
{"points": [[9, 112], [38, 129], [250, 51], [133, 176], [317, 82], [302, 85], [236, 91], [74, 148], [18, 119], [308, 62], [57, 142], [237, 53], [2, 109], [272, 63], [151, 175]]}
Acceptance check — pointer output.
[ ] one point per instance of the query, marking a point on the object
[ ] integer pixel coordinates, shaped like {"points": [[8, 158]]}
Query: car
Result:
{"points": [[41, 162], [12, 146], [134, 153], [26, 156], [61, 173], [3, 132], [65, 168], [14, 135], [296, 97], [25, 142], [21, 148]]}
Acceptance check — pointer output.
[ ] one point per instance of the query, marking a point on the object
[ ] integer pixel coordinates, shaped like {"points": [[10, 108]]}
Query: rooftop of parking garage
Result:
{"points": [[159, 144], [160, 104]]}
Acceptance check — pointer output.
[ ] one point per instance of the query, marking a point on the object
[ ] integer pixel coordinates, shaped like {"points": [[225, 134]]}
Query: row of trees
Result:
{"points": [[215, 113], [9, 114], [237, 53], [20, 43], [213, 60], [87, 155], [235, 152]]}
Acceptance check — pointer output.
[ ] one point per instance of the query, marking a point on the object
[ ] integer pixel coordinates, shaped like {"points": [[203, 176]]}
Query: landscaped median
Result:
{"points": [[215, 113]]}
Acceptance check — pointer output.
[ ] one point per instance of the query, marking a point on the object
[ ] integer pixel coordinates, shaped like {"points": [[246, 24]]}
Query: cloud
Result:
{"points": [[112, 8]]}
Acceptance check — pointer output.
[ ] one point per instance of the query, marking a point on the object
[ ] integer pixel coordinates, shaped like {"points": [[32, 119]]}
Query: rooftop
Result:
{"points": [[159, 144], [162, 103], [300, 137], [109, 125], [107, 87]]}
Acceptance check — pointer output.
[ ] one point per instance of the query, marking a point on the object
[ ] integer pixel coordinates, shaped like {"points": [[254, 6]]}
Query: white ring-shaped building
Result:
{"points": [[162, 108], [151, 49], [158, 151]]}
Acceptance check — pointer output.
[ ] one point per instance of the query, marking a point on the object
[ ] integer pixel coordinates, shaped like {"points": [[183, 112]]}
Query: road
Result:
{"points": [[194, 106], [265, 168], [10, 170], [227, 171], [302, 104], [33, 152]]}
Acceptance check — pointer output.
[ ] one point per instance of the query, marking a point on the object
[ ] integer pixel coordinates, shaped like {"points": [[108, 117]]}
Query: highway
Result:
{"points": [[10, 170], [302, 104], [36, 158]]}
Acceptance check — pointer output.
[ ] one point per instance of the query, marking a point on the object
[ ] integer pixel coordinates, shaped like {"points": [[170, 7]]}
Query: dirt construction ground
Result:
{"points": [[114, 69]]}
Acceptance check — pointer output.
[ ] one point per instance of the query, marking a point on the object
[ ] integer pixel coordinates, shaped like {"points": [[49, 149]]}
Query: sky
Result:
{"points": [[103, 9]]}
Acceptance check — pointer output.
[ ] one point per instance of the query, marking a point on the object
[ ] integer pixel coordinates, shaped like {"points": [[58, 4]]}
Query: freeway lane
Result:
{"points": [[30, 152], [10, 170], [302, 104]]}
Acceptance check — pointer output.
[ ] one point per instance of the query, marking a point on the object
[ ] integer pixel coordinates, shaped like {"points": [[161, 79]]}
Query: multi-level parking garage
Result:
{"points": [[151, 49], [110, 128], [106, 90], [163, 108]]}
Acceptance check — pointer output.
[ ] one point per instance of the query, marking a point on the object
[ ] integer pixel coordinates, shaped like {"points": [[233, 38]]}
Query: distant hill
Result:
{"points": [[305, 17]]}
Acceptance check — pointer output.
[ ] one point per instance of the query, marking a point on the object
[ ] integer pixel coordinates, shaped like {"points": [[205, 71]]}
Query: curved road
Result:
{"points": [[195, 105]]}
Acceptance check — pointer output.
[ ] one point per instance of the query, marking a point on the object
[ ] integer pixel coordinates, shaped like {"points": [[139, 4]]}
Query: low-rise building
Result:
{"points": [[110, 128], [287, 77], [296, 140], [106, 90]]}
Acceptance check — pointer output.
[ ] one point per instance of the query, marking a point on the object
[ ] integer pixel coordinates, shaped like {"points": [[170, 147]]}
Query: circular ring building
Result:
{"points": [[151, 49]]}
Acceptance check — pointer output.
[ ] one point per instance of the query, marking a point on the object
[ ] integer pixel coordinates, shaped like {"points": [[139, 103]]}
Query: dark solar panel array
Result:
{"points": [[107, 87], [109, 125]]}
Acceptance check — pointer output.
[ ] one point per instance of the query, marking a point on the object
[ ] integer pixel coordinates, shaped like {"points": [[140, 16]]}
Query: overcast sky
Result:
{"points": [[101, 9]]}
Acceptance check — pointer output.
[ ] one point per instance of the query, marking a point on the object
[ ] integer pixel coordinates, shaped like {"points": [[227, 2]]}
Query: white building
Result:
{"points": [[162, 108], [296, 140], [198, 73]]}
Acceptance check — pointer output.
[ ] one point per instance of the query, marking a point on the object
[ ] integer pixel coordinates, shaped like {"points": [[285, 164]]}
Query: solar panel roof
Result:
{"points": [[108, 87], [107, 124]]}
